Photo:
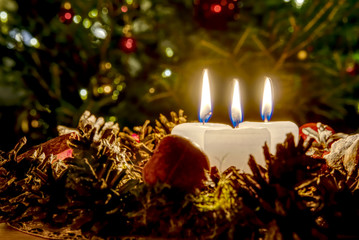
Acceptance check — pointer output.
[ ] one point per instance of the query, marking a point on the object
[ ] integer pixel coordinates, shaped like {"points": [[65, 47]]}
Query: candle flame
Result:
{"points": [[236, 108], [205, 111], [267, 102]]}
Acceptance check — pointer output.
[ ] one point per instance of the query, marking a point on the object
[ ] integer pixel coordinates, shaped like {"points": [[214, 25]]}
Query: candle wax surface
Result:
{"points": [[195, 131], [278, 131], [233, 147], [225, 146]]}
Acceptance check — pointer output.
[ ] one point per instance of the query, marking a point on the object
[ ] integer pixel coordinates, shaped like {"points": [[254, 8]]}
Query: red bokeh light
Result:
{"points": [[124, 9], [128, 44], [68, 16], [216, 8]]}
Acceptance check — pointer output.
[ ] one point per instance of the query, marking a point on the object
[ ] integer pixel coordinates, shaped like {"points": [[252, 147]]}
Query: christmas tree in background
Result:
{"points": [[130, 60]]}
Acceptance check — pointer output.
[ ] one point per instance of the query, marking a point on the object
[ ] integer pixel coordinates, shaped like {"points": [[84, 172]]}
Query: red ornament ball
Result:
{"points": [[177, 162], [128, 44], [66, 15]]}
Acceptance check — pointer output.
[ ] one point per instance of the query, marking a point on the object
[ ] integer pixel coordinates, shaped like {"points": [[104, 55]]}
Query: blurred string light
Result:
{"points": [[299, 3], [302, 55], [83, 94], [112, 118], [67, 5], [104, 10], [100, 89], [216, 8], [66, 13], [169, 52], [25, 37], [98, 31], [119, 87], [166, 73], [124, 8], [35, 123], [86, 23], [77, 19], [33, 112], [107, 89], [3, 16], [151, 90], [108, 65], [93, 13]]}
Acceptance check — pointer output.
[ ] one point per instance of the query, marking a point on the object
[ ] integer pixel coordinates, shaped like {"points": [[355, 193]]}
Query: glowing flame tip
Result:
{"points": [[236, 107], [267, 102], [205, 111]]}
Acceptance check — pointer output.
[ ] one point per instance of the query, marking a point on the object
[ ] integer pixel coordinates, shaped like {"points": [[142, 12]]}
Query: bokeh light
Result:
{"points": [[166, 73], [151, 90], [86, 23], [169, 52], [77, 19], [3, 16], [107, 89], [93, 13], [83, 94]]}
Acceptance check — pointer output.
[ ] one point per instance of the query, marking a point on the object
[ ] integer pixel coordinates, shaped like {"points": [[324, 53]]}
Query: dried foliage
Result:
{"points": [[99, 193]]}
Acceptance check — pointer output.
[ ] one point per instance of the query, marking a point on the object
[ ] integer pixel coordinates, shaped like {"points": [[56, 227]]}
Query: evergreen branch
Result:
{"points": [[317, 33], [215, 48], [284, 55], [261, 46], [43, 83], [317, 17], [241, 41]]}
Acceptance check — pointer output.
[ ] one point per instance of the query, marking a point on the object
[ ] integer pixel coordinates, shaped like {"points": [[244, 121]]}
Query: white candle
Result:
{"points": [[196, 131], [278, 129], [225, 146]]}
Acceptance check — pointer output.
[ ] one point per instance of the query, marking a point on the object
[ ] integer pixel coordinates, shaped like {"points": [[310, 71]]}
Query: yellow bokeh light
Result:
{"points": [[108, 65], [87, 23], [33, 112], [93, 13], [104, 10], [3, 16], [34, 123], [302, 55], [129, 2], [117, 80], [119, 88], [151, 90], [100, 89], [67, 5], [116, 93], [107, 89], [112, 118], [169, 52]]}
